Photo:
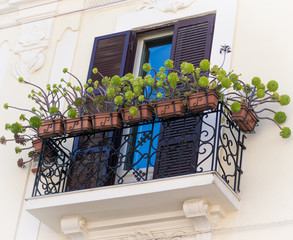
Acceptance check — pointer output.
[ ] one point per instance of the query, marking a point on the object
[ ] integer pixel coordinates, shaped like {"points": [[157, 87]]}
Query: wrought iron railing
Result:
{"points": [[205, 142]]}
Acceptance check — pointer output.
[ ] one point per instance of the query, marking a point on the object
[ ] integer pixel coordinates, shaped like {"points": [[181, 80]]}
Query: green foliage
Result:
{"points": [[226, 82], [272, 86], [18, 150], [235, 107], [16, 128], [233, 77], [284, 100], [255, 81], [280, 117], [35, 122], [186, 68], [115, 81], [146, 67], [169, 63], [205, 65], [53, 110], [203, 81], [72, 113], [159, 95], [65, 70], [260, 93], [133, 110], [6, 106], [95, 71], [118, 100], [22, 117], [129, 95], [286, 132], [20, 79]]}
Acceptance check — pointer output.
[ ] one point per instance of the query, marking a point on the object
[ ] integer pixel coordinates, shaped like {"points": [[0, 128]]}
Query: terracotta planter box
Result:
{"points": [[245, 119], [145, 113], [203, 101], [78, 125], [169, 108], [37, 145], [106, 121], [51, 128]]}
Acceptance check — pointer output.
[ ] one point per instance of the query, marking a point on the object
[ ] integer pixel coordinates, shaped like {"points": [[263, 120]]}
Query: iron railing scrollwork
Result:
{"points": [[196, 143]]}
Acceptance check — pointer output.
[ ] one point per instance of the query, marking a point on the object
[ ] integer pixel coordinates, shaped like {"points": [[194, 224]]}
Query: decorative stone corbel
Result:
{"points": [[203, 217], [74, 227]]}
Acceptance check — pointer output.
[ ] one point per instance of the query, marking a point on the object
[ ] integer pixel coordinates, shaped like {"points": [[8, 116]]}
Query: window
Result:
{"points": [[120, 53]]}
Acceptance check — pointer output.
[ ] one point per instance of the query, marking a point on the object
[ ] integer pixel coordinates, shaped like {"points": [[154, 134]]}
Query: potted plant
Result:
{"points": [[251, 103], [47, 110], [199, 88], [133, 97], [78, 121], [23, 135], [100, 95]]}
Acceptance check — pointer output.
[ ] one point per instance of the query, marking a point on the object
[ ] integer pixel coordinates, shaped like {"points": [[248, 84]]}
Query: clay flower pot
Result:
{"points": [[37, 145], [105, 121], [78, 125], [169, 108], [145, 113], [245, 119], [203, 101], [51, 128]]}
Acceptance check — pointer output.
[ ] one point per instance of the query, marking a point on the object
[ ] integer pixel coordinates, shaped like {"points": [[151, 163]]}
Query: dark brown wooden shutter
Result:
{"points": [[178, 145], [91, 160]]}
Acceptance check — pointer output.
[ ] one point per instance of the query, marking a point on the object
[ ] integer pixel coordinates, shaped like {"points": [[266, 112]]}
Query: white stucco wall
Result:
{"points": [[262, 46]]}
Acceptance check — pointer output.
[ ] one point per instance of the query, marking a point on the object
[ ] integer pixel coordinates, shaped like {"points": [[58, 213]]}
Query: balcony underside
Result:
{"points": [[133, 200]]}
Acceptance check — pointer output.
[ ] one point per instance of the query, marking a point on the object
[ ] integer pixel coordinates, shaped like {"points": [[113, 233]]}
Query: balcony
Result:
{"points": [[145, 168]]}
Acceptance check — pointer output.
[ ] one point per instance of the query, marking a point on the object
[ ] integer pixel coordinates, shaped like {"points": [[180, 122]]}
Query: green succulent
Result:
{"points": [[35, 122], [280, 117], [16, 128], [226, 82], [235, 107], [284, 100], [205, 65], [203, 81], [146, 67], [286, 132], [53, 110], [255, 81], [72, 113], [168, 63], [272, 86]]}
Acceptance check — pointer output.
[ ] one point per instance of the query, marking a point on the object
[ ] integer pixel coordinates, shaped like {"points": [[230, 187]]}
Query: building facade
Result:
{"points": [[40, 37]]}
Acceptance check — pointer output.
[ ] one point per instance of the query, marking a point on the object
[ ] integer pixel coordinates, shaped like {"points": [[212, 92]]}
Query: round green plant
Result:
{"points": [[35, 122], [133, 110], [280, 117], [284, 100], [272, 86], [205, 65], [235, 107], [72, 113], [286, 132], [203, 81]]}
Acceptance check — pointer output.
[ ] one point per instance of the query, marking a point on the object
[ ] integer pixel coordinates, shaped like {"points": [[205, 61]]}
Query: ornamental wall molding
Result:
{"points": [[146, 235], [32, 41], [166, 5]]}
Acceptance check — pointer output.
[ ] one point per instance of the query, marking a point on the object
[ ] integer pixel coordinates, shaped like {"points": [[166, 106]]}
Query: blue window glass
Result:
{"points": [[156, 54]]}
